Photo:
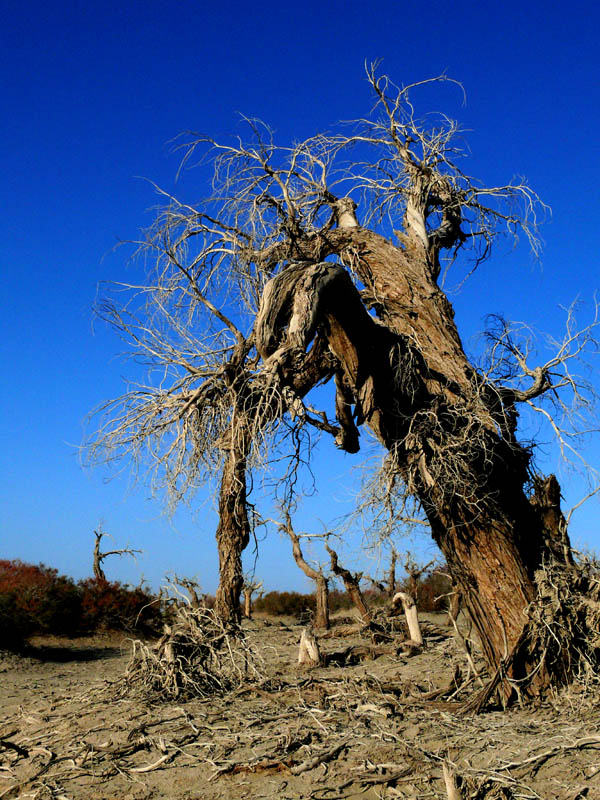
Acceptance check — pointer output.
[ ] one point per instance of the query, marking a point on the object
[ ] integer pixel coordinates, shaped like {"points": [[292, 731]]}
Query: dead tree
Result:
{"points": [[321, 619], [99, 557], [250, 586], [329, 289], [389, 587], [414, 573], [351, 584]]}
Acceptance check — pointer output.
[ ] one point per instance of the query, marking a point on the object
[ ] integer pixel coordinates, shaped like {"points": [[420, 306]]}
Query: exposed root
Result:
{"points": [[566, 619], [197, 656]]}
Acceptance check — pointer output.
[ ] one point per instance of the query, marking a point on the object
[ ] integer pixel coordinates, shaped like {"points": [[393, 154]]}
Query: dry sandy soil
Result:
{"points": [[371, 728]]}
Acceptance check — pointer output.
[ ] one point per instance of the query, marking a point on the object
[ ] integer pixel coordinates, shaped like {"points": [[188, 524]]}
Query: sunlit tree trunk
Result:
{"points": [[233, 530], [450, 437]]}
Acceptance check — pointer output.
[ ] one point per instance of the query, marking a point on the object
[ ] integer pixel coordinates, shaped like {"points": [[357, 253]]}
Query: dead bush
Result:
{"points": [[198, 655]]}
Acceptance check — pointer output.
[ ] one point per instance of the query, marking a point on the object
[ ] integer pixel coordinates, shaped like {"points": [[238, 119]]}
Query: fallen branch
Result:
{"points": [[323, 758]]}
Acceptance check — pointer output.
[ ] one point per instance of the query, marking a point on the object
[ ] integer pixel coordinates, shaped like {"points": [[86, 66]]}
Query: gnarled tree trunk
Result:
{"points": [[377, 321], [451, 437], [233, 530], [257, 404]]}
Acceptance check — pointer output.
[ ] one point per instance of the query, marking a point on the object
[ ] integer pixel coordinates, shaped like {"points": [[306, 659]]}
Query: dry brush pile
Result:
{"points": [[198, 655]]}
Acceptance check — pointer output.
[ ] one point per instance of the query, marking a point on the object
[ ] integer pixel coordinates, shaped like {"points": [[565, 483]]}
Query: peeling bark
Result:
{"points": [[309, 654]]}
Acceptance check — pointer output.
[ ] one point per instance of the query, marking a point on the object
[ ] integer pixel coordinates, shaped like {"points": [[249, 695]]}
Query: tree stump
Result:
{"points": [[309, 654]]}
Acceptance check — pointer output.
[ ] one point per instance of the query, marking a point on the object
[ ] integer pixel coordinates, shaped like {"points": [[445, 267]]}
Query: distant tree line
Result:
{"points": [[36, 599], [432, 591]]}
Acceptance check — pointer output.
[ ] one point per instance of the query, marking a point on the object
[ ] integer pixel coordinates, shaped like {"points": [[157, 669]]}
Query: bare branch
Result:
{"points": [[99, 557]]}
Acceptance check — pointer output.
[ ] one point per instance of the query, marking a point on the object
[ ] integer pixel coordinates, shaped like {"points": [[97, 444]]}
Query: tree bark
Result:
{"points": [[391, 576], [301, 371], [322, 603], [452, 438], [233, 530]]}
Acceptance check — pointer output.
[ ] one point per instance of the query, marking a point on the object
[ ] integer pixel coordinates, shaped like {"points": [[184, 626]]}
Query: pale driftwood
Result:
{"points": [[452, 789], [412, 618], [309, 653]]}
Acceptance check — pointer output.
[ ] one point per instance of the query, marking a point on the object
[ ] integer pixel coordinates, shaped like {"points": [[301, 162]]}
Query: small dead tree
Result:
{"points": [[321, 619], [351, 584], [391, 576], [250, 586], [388, 587], [99, 557], [414, 574]]}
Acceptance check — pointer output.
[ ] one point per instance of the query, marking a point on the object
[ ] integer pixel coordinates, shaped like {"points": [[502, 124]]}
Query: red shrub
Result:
{"points": [[36, 599], [111, 606]]}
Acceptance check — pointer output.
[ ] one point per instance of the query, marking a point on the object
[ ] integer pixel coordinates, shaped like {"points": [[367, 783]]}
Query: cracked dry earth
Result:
{"points": [[373, 728]]}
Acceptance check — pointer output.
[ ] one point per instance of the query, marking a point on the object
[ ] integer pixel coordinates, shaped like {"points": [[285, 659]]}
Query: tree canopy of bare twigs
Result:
{"points": [[325, 260]]}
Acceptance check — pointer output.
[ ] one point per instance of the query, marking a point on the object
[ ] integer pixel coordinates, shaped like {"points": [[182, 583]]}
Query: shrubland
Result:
{"points": [[36, 599]]}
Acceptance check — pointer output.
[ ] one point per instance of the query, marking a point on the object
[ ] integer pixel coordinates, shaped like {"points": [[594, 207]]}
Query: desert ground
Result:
{"points": [[378, 721]]}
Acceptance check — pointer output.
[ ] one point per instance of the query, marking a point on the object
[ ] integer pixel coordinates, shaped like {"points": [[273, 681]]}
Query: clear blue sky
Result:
{"points": [[93, 92]]}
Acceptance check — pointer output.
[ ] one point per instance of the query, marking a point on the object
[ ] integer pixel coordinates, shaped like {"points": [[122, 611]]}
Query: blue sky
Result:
{"points": [[92, 95]]}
